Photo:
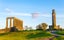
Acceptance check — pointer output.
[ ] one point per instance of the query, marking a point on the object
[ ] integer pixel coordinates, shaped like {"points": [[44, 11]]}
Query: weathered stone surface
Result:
{"points": [[17, 23], [53, 19]]}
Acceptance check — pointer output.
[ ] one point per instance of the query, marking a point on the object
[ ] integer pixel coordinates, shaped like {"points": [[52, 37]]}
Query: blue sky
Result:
{"points": [[23, 9]]}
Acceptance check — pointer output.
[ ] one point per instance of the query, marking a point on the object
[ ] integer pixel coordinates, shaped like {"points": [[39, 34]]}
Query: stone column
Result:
{"points": [[6, 25], [10, 22], [6, 22], [13, 22]]}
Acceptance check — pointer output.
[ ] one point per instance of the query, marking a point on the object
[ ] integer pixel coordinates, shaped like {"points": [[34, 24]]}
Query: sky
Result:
{"points": [[23, 9]]}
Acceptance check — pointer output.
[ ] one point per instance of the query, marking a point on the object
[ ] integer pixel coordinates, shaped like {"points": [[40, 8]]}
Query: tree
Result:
{"points": [[26, 27], [30, 28], [44, 26], [39, 27]]}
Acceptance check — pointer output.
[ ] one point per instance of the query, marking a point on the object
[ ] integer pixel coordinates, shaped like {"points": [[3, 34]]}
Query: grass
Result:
{"points": [[60, 32], [40, 34], [30, 35], [25, 35], [59, 38]]}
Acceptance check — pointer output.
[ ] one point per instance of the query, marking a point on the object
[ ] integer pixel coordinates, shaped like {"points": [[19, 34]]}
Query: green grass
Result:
{"points": [[25, 35], [60, 32], [40, 34], [29, 35], [60, 37]]}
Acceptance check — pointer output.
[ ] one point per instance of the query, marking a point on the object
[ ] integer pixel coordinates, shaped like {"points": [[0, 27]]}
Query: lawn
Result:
{"points": [[60, 32], [61, 37], [25, 35]]}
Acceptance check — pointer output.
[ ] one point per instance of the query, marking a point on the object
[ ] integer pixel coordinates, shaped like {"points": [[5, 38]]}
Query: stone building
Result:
{"points": [[14, 23]]}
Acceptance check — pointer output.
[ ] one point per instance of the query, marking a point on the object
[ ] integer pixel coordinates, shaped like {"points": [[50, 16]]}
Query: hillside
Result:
{"points": [[25, 35]]}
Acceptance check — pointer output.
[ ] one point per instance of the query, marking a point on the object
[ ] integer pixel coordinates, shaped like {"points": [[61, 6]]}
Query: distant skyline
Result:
{"points": [[23, 10]]}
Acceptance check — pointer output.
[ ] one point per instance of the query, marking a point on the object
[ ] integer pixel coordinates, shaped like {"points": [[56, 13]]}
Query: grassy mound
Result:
{"points": [[60, 32], [60, 37], [24, 35]]}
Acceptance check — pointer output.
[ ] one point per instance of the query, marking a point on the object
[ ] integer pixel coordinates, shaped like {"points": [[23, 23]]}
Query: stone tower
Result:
{"points": [[53, 19]]}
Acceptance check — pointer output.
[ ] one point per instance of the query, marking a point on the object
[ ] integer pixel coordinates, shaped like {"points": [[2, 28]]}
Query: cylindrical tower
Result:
{"points": [[53, 19]]}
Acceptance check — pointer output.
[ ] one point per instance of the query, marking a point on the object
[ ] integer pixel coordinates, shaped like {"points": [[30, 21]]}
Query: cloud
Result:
{"points": [[12, 13], [18, 14], [60, 15], [29, 14], [8, 10], [45, 15], [48, 15]]}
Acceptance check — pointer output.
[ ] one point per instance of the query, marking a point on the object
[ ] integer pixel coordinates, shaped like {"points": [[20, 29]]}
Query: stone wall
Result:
{"points": [[17, 23]]}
